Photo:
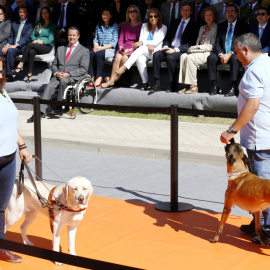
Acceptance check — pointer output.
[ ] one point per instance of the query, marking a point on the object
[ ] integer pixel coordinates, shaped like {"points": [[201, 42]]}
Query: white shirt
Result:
{"points": [[74, 46], [228, 29], [8, 125], [255, 83], [23, 22], [263, 28], [176, 42]]}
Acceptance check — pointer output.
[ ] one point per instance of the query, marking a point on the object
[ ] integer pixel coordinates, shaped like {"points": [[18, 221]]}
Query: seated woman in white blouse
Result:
{"points": [[152, 34]]}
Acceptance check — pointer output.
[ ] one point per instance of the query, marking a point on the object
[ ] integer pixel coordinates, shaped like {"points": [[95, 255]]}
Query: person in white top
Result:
{"points": [[151, 37], [10, 139]]}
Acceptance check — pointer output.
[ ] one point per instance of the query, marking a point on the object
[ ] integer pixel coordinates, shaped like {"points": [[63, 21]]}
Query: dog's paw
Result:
{"points": [[58, 263], [264, 236], [216, 238], [29, 243]]}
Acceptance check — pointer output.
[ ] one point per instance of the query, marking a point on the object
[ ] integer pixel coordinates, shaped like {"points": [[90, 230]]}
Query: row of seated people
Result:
{"points": [[146, 43], [214, 44]]}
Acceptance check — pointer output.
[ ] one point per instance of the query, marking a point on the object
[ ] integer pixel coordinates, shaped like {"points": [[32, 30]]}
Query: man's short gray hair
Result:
{"points": [[249, 40]]}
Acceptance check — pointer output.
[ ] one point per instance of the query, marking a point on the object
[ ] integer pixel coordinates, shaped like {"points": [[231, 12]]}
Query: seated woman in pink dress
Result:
{"points": [[130, 32]]}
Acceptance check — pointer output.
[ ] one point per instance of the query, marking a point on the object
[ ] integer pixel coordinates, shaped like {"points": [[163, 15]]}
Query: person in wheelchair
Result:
{"points": [[70, 64]]}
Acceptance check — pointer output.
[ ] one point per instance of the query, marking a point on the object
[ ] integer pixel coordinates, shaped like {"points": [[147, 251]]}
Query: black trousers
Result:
{"points": [[171, 59], [31, 50], [213, 60]]}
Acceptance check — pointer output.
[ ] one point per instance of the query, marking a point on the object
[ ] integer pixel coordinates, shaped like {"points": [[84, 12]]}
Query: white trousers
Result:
{"points": [[140, 56], [188, 67]]}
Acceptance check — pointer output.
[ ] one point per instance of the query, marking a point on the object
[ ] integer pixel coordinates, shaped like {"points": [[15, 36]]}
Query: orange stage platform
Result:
{"points": [[136, 234]]}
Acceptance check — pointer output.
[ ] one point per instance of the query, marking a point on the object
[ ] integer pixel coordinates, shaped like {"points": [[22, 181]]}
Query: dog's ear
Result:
{"points": [[246, 160], [231, 159], [232, 141], [65, 190]]}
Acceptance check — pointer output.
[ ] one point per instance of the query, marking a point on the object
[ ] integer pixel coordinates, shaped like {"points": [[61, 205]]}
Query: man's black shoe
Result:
{"points": [[213, 91], [156, 87], [169, 90], [31, 119], [9, 79], [256, 239], [248, 229], [57, 112], [231, 93]]}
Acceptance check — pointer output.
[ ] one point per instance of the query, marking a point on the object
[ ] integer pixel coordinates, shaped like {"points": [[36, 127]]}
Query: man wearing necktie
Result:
{"points": [[19, 37], [64, 15], [224, 51], [180, 36], [262, 28], [70, 64], [247, 13]]}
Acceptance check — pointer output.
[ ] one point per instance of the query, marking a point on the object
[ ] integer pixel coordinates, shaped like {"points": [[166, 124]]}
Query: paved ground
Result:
{"points": [[129, 158], [133, 137]]}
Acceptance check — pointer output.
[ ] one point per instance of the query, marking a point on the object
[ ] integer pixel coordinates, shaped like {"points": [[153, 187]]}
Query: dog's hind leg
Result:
{"points": [[260, 229], [30, 216], [15, 209]]}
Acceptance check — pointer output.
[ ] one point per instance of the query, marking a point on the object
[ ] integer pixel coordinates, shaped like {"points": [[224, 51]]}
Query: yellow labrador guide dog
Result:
{"points": [[74, 195]]}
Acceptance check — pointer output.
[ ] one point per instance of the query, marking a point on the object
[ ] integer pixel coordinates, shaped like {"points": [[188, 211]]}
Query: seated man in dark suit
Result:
{"points": [[64, 15], [180, 36], [224, 51], [262, 29], [5, 26], [19, 37], [70, 64]]}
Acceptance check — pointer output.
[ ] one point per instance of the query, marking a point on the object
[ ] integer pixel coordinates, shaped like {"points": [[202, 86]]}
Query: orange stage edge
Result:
{"points": [[136, 234]]}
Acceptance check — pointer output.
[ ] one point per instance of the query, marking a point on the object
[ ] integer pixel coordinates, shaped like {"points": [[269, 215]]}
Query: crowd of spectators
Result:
{"points": [[188, 33]]}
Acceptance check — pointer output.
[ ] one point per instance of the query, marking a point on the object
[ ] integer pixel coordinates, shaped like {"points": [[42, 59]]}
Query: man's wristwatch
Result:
{"points": [[230, 130]]}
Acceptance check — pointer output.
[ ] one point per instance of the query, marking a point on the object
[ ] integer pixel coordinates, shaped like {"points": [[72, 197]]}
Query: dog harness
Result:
{"points": [[52, 202]]}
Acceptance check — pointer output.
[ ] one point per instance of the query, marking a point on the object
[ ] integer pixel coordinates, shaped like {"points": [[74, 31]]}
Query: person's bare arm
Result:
{"points": [[248, 111]]}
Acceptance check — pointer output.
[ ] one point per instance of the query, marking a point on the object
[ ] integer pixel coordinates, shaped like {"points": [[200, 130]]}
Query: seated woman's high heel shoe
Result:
{"points": [[14, 72], [98, 85], [145, 86]]}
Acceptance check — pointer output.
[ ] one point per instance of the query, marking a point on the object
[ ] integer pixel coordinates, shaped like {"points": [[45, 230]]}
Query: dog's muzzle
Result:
{"points": [[80, 200]]}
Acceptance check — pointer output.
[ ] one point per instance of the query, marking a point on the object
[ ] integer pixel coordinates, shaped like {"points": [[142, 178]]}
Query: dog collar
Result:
{"points": [[230, 174]]}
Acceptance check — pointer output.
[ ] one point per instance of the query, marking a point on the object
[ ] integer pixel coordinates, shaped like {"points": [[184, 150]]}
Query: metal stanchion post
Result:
{"points": [[37, 136], [174, 205]]}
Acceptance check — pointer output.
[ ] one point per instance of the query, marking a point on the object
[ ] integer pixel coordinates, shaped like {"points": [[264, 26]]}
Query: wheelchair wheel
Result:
{"points": [[85, 94]]}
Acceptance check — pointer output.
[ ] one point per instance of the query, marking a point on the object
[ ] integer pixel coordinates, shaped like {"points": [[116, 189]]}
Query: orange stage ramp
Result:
{"points": [[136, 234]]}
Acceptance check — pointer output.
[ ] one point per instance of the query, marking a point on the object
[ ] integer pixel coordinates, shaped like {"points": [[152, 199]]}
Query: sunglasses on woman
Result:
{"points": [[132, 11], [153, 16]]}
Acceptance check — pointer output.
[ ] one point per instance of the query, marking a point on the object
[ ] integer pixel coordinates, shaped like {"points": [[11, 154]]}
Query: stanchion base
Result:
{"points": [[180, 207]]}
